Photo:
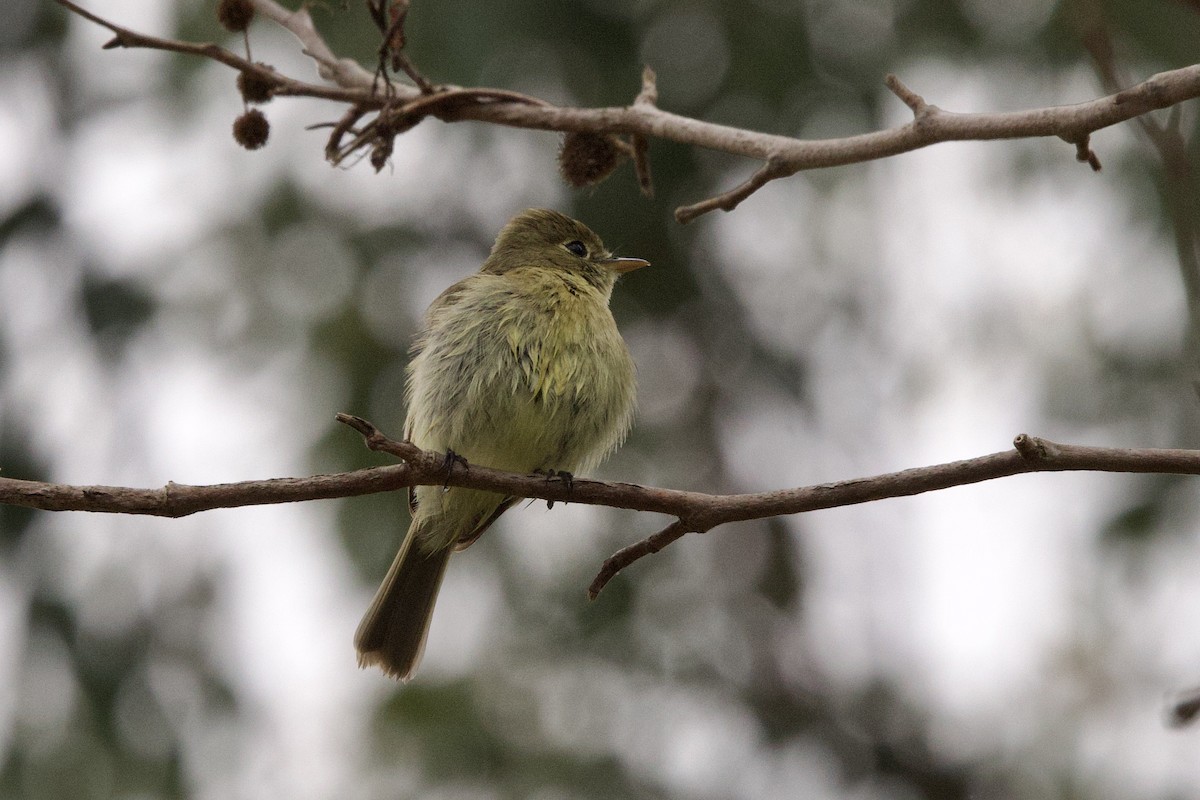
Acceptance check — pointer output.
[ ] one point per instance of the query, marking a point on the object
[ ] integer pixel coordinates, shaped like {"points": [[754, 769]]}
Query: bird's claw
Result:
{"points": [[448, 465], [567, 479]]}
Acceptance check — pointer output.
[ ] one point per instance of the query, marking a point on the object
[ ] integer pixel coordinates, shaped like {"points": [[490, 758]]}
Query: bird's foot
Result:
{"points": [[448, 465], [567, 479]]}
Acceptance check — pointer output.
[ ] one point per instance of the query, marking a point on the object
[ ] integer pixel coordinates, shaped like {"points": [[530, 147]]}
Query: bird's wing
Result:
{"points": [[468, 539], [449, 297]]}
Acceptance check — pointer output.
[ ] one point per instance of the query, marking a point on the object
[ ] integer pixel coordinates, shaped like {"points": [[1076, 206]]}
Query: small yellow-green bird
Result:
{"points": [[521, 368]]}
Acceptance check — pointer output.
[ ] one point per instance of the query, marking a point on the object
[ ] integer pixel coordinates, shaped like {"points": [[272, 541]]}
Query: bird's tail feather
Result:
{"points": [[392, 633]]}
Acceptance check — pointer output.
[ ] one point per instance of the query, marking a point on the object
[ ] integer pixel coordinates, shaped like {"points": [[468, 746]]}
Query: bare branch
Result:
{"points": [[784, 155], [907, 96], [345, 72], [1085, 153], [795, 155], [627, 555], [279, 83], [1029, 454], [648, 96], [693, 511], [179, 500], [728, 201], [374, 439]]}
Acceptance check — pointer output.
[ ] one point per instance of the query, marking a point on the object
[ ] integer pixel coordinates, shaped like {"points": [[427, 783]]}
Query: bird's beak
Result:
{"points": [[623, 265]]}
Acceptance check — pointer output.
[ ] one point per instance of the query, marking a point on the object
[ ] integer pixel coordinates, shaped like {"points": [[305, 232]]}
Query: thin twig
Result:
{"points": [[648, 96], [345, 72], [907, 96], [641, 164], [406, 66], [333, 146], [374, 439], [279, 83], [627, 555], [396, 119], [445, 101], [1085, 153], [389, 17], [728, 201]]}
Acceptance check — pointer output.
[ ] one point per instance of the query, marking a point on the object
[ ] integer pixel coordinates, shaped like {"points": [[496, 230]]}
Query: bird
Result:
{"points": [[519, 367]]}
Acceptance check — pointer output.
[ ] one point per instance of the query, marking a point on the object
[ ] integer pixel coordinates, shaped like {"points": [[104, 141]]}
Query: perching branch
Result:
{"points": [[398, 109], [694, 512]]}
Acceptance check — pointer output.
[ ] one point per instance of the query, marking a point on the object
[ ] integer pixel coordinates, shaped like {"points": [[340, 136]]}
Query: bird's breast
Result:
{"points": [[524, 380]]}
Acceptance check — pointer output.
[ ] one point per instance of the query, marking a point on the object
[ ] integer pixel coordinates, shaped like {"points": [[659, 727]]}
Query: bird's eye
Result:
{"points": [[576, 247]]}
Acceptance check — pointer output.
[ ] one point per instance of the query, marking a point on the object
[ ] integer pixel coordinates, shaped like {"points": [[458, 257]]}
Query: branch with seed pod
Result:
{"points": [[251, 130], [392, 107]]}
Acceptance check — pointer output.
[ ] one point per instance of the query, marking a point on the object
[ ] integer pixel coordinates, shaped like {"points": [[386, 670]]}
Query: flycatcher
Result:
{"points": [[520, 367]]}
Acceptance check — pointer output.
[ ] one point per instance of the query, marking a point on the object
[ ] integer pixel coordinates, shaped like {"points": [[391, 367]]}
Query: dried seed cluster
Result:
{"points": [[235, 15], [251, 129], [585, 159]]}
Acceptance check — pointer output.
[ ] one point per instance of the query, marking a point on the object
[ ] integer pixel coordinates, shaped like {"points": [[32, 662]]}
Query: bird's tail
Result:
{"points": [[392, 633]]}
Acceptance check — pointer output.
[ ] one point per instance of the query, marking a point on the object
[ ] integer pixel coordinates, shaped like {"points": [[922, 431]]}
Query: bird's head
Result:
{"points": [[538, 237]]}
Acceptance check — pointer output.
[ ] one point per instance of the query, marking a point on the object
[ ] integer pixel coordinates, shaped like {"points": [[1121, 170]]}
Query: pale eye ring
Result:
{"points": [[576, 247]]}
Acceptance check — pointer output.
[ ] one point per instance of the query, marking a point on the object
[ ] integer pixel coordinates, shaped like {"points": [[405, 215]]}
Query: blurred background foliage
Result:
{"points": [[173, 308]]}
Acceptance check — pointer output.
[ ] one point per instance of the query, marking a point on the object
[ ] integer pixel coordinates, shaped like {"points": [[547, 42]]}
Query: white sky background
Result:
{"points": [[970, 598]]}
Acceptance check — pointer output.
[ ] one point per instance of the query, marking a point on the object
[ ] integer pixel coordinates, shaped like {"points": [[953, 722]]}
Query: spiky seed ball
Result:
{"points": [[586, 159], [254, 88], [251, 129], [235, 15]]}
